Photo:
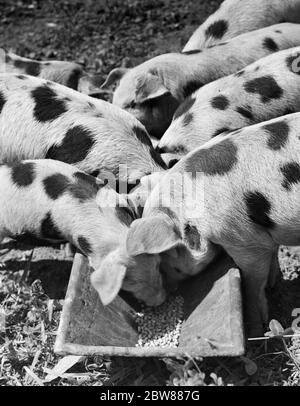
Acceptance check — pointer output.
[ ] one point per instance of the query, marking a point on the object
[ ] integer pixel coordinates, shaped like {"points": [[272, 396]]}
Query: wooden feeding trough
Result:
{"points": [[212, 317]]}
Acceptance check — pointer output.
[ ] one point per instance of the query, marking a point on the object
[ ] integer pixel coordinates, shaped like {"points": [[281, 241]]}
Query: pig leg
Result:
{"points": [[255, 267]]}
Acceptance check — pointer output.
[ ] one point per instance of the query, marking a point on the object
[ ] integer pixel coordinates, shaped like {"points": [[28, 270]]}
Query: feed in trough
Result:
{"points": [[160, 326]]}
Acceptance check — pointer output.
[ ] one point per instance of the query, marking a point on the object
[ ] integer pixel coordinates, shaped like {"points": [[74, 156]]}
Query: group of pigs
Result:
{"points": [[207, 140]]}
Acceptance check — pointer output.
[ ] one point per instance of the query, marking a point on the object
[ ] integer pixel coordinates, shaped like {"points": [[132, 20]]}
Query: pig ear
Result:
{"points": [[152, 235], [149, 87], [108, 279], [114, 76], [90, 85]]}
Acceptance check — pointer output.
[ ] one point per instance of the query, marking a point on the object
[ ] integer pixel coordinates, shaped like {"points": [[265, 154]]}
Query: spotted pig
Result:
{"points": [[42, 119], [239, 192], [235, 17], [54, 201], [65, 73], [153, 90], [266, 89]]}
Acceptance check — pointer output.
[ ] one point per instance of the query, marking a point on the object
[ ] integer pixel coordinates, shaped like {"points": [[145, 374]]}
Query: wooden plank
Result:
{"points": [[212, 327]]}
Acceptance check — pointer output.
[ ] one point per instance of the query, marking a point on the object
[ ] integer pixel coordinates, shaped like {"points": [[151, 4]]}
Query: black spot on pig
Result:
{"points": [[125, 215], [270, 44], [31, 68], [293, 63], [23, 174], [188, 119], [192, 51], [47, 106], [191, 86], [219, 159], [56, 185], [221, 131], [278, 134], [73, 78], [2, 101], [217, 29], [49, 230], [266, 87], [192, 236], [258, 209], [291, 173], [220, 102], [184, 107], [76, 145], [245, 111], [85, 245]]}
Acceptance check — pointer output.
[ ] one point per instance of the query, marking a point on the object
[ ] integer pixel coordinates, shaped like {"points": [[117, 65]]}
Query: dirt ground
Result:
{"points": [[103, 35]]}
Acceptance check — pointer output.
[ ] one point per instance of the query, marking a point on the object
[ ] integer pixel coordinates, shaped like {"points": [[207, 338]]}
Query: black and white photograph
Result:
{"points": [[149, 196]]}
